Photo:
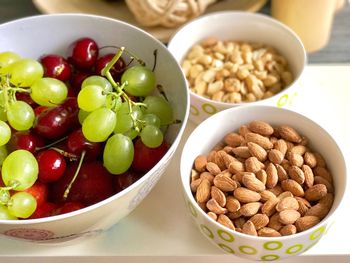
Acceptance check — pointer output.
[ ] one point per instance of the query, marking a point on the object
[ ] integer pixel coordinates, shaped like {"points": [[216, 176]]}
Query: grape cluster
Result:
{"points": [[75, 131]]}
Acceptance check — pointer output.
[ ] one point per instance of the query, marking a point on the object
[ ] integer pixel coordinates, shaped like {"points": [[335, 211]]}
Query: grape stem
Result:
{"points": [[66, 192]]}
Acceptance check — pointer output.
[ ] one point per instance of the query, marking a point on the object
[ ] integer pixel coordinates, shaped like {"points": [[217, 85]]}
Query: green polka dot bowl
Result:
{"points": [[212, 131], [241, 26]]}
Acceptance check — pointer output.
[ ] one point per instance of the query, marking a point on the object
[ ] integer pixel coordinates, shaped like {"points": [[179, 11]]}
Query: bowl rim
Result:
{"points": [[185, 178], [147, 175], [262, 17]]}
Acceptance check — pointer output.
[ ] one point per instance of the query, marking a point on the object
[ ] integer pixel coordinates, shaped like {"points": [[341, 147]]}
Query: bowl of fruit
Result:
{"points": [[89, 120]]}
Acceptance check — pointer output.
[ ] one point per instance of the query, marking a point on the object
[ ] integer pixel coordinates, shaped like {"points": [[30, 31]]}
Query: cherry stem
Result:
{"points": [[51, 144], [65, 154], [66, 192]]}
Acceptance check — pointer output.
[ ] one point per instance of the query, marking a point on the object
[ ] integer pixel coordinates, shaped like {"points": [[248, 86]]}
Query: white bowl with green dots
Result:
{"points": [[212, 131], [241, 26]]}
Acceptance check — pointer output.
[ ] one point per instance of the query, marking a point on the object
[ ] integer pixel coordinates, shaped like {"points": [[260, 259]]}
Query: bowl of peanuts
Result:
{"points": [[233, 58], [266, 182]]}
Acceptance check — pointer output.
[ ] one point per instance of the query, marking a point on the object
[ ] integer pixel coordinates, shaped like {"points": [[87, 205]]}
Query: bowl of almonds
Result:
{"points": [[266, 182], [234, 58]]}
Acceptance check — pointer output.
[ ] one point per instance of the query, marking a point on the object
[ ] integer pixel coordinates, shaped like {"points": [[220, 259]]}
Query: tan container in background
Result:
{"points": [[310, 19]]}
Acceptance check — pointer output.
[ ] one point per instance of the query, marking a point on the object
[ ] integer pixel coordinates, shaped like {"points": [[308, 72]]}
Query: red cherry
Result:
{"points": [[93, 184], [76, 80], [145, 158], [56, 66], [124, 180], [84, 53], [23, 96], [45, 209], [69, 207], [40, 192], [52, 166], [117, 69], [25, 140], [77, 143], [40, 109]]}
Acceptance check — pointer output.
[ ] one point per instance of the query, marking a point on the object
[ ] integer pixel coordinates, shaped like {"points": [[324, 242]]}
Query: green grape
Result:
{"points": [[82, 115], [124, 123], [113, 103], [22, 167], [3, 154], [48, 92], [99, 125], [20, 116], [5, 214], [151, 119], [98, 81], [132, 133], [159, 106], [141, 81], [2, 107], [5, 133], [91, 98], [118, 154], [6, 59], [151, 136], [25, 72], [22, 204]]}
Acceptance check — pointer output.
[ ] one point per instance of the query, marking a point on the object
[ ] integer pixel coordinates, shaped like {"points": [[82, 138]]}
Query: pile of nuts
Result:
{"points": [[263, 181], [235, 72]]}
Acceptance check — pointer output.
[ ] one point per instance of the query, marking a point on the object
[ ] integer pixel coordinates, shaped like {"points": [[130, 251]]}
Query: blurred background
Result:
{"points": [[324, 25]]}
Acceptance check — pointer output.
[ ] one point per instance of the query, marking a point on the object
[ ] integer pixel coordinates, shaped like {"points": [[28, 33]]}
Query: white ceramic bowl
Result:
{"points": [[34, 36], [240, 26], [212, 131]]}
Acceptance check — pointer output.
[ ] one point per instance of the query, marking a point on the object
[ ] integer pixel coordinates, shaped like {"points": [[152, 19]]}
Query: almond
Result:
{"points": [[242, 152], [259, 139], [295, 159], [194, 185], [203, 206], [262, 176], [306, 222], [208, 176], [310, 159], [252, 183], [281, 146], [225, 183], [222, 159], [245, 195], [287, 203], [212, 215], [282, 174], [243, 130], [194, 175], [225, 221], [319, 160], [200, 163], [277, 190], [327, 200], [299, 149], [287, 217], [250, 209], [214, 207], [304, 205], [259, 220], [275, 156], [266, 195], [239, 222], [228, 149], [296, 174], [275, 222], [249, 229], [269, 207], [268, 232], [272, 176], [321, 180], [232, 204], [203, 191], [236, 167], [253, 165], [233, 139], [261, 127], [257, 151], [218, 195], [284, 195], [213, 168], [323, 172], [288, 230], [211, 156], [320, 210], [315, 192], [309, 175], [289, 134], [234, 215], [293, 187]]}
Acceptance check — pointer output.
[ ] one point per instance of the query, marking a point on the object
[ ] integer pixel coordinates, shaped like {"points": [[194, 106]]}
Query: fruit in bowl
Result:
{"points": [[77, 120]]}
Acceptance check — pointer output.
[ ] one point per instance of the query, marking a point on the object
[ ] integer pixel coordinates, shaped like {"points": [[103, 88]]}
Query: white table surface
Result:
{"points": [[161, 230]]}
